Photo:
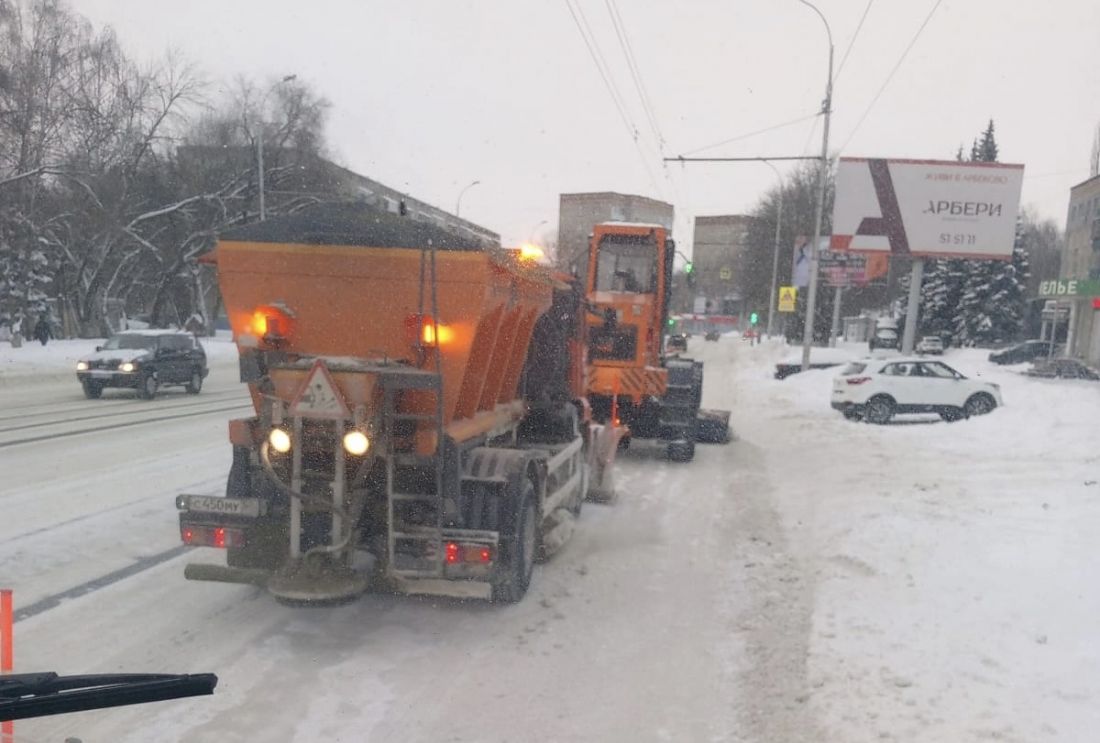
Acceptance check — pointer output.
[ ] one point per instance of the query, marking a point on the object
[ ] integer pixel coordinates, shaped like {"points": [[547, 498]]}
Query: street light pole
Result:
{"points": [[260, 147], [775, 253], [458, 202], [827, 106], [531, 235]]}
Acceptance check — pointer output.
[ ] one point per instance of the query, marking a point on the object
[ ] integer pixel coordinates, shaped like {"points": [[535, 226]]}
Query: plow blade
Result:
{"points": [[601, 462], [713, 427]]}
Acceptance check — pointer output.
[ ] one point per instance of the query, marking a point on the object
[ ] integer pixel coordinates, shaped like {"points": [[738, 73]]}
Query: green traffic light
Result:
{"points": [[671, 322], [689, 267], [753, 318]]}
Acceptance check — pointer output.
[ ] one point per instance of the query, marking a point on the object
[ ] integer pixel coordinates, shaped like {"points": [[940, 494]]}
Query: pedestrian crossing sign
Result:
{"points": [[787, 297]]}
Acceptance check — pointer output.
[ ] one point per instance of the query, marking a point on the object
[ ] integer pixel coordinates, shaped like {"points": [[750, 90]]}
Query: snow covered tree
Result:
{"points": [[993, 304], [987, 147], [24, 268]]}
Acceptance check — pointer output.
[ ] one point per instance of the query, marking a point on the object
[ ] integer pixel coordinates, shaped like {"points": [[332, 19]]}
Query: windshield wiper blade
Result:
{"points": [[28, 695]]}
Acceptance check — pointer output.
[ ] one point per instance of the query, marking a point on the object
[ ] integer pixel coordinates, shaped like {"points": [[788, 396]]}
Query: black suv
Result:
{"points": [[144, 360], [1023, 352]]}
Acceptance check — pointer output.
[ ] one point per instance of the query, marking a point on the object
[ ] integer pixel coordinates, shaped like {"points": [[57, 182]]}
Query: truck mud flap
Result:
{"points": [[601, 461]]}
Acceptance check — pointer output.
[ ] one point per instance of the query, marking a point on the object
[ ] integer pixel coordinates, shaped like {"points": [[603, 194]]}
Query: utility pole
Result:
{"points": [[775, 253], [827, 107], [909, 335], [260, 146], [260, 168]]}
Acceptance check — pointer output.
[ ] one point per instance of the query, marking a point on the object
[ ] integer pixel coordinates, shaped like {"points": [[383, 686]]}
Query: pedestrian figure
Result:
{"points": [[42, 330]]}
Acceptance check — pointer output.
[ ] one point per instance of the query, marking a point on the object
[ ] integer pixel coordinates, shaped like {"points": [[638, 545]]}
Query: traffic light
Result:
{"points": [[671, 322], [689, 267], [754, 318], [689, 273]]}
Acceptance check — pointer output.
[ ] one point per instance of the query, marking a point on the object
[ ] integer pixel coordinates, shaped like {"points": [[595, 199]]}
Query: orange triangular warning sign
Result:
{"points": [[319, 397]]}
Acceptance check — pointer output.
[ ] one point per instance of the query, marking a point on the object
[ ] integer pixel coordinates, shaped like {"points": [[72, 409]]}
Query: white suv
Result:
{"points": [[876, 389]]}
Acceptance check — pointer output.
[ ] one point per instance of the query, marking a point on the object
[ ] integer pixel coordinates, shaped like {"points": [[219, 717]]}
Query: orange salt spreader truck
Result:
{"points": [[420, 419], [631, 382]]}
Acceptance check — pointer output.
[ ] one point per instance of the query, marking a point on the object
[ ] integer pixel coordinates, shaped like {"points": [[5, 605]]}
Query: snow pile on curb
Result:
{"points": [[57, 359], [952, 566]]}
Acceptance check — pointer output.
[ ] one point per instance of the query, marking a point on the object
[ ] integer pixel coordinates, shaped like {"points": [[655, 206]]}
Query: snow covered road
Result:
{"points": [[814, 580]]}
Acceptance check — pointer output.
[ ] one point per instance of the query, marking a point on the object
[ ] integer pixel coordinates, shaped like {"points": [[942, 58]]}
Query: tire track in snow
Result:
{"points": [[119, 507], [95, 584], [127, 424], [114, 413]]}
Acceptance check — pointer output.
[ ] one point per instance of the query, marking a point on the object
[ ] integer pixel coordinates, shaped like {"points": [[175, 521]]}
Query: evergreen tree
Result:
{"points": [[987, 149], [994, 300], [24, 268]]}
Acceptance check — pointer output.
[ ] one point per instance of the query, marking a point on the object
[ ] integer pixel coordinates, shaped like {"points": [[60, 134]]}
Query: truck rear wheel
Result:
{"points": [[517, 553]]}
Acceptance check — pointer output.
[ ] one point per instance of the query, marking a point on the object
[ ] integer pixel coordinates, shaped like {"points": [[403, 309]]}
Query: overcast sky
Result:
{"points": [[429, 95]]}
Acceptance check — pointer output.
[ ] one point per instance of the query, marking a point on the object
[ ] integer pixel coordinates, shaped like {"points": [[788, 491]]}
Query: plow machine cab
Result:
{"points": [[630, 382]]}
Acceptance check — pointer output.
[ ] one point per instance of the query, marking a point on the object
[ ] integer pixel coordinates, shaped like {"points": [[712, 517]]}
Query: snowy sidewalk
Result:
{"points": [[951, 567]]}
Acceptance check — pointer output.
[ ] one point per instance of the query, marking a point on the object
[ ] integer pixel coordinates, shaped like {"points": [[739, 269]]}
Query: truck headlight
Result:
{"points": [[356, 443], [127, 366], [82, 366], [279, 440]]}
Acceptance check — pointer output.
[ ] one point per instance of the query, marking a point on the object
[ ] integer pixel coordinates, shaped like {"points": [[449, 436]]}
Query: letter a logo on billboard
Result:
{"points": [[319, 397]]}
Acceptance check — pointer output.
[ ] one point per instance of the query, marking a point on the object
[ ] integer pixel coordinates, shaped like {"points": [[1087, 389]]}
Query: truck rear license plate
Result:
{"points": [[228, 506]]}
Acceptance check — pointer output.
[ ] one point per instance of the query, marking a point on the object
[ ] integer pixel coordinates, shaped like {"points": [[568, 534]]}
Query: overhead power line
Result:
{"points": [[600, 67], [852, 42], [592, 44], [635, 71], [748, 135], [893, 71]]}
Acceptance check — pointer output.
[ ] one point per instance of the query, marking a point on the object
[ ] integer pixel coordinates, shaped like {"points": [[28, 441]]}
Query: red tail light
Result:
{"points": [[857, 380], [212, 536], [456, 553]]}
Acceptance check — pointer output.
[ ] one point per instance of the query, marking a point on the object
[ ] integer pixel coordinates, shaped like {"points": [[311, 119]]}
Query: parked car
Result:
{"points": [[676, 343], [875, 390], [1062, 369], [885, 338], [712, 335], [1024, 352], [144, 360], [931, 344]]}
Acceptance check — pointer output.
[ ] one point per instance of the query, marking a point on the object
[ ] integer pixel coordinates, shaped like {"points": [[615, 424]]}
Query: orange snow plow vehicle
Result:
{"points": [[631, 381], [420, 419]]}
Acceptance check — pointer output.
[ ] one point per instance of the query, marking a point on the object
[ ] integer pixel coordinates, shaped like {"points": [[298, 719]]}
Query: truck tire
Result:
{"points": [[682, 450], [518, 551]]}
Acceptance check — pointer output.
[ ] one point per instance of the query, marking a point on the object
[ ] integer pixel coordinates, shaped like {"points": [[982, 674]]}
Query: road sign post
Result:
{"points": [[788, 297]]}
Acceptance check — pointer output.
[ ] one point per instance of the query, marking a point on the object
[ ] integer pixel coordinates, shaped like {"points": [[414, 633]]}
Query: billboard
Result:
{"points": [[800, 262], [926, 208], [844, 268]]}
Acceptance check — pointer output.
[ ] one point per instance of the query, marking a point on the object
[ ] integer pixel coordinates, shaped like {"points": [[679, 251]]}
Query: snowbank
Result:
{"points": [[58, 358], [952, 567]]}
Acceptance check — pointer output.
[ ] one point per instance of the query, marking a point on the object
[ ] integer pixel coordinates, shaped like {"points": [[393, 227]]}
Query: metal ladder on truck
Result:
{"points": [[423, 539]]}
